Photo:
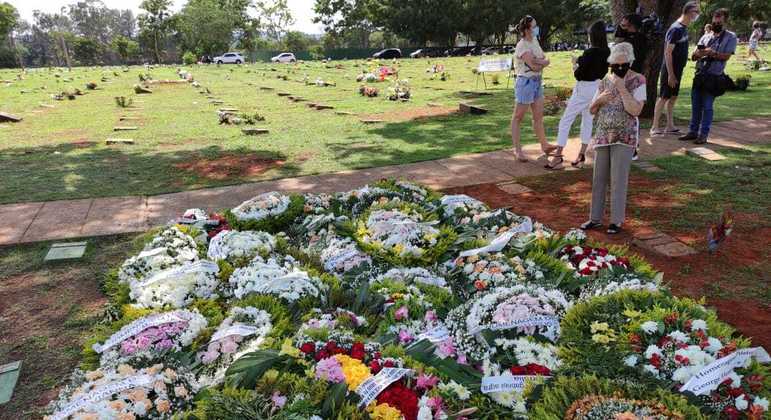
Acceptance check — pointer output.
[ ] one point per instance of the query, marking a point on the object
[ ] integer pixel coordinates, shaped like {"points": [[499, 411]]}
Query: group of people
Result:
{"points": [[610, 93]]}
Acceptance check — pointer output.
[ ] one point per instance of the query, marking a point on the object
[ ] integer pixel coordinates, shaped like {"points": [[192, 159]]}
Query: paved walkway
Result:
{"points": [[65, 219]]}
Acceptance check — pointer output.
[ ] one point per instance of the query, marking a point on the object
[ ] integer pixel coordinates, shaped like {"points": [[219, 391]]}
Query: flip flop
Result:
{"points": [[675, 131]]}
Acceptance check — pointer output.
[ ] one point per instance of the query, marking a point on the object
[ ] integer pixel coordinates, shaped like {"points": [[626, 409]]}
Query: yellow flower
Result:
{"points": [[599, 326], [354, 370], [398, 249], [601, 338], [383, 412], [289, 349]]}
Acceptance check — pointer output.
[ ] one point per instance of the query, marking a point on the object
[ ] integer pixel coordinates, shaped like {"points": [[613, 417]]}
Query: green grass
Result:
{"points": [[60, 153], [741, 183]]}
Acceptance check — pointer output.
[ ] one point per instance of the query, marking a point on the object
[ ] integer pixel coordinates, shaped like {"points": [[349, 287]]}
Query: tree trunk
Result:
{"points": [[65, 52], [667, 11], [12, 44], [157, 53]]}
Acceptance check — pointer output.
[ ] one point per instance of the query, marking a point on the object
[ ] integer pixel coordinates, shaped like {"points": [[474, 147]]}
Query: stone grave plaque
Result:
{"points": [[125, 128], [9, 375], [251, 131], [66, 251], [119, 141], [6, 117]]}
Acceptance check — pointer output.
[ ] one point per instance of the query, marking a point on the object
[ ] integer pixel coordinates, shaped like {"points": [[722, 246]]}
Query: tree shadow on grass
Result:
{"points": [[66, 171]]}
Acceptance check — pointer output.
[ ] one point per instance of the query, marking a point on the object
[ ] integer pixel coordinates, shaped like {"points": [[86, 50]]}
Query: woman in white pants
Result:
{"points": [[589, 69]]}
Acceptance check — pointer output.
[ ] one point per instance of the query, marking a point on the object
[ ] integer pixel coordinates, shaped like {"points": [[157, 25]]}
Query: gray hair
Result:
{"points": [[623, 52]]}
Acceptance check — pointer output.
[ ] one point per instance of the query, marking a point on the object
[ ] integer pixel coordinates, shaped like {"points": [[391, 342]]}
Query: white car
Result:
{"points": [[284, 58], [229, 58]]}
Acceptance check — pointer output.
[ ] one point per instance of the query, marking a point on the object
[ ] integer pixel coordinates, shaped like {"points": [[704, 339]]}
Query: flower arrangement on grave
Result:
{"points": [[280, 277], [177, 287], [399, 90], [155, 392], [242, 332], [368, 91], [231, 245], [269, 212], [170, 248]]}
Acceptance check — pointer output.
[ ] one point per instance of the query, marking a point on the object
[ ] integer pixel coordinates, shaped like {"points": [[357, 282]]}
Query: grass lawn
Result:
{"points": [[59, 153]]}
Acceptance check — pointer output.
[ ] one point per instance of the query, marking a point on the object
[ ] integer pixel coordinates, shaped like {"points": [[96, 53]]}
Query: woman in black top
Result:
{"points": [[589, 69]]}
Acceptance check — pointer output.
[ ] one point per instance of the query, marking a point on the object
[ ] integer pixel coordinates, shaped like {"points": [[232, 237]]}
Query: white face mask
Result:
{"points": [[695, 18]]}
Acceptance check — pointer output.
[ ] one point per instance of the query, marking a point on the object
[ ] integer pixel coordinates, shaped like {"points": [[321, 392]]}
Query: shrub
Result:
{"points": [[123, 101], [189, 58]]}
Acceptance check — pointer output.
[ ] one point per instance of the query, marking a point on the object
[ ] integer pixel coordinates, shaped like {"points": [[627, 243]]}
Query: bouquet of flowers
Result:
{"points": [[600, 406], [460, 209], [155, 392], [505, 312], [149, 338], [177, 287], [243, 331], [341, 255], [606, 283], [398, 233], [263, 206], [275, 277], [674, 348], [170, 248], [587, 261], [484, 271], [411, 276], [408, 312], [230, 244], [359, 200]]}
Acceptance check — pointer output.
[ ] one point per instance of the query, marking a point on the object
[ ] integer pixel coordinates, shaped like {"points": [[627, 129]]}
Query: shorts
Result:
{"points": [[753, 44], [665, 91], [528, 90]]}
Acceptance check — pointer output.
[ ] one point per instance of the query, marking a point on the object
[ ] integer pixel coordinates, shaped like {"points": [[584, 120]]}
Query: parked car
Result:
{"points": [[284, 58], [427, 52], [388, 53], [229, 58]]}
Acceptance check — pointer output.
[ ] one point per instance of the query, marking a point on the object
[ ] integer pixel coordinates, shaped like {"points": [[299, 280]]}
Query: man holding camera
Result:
{"points": [[711, 55]]}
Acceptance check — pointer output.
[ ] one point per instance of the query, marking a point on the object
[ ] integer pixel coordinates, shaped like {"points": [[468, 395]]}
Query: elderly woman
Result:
{"points": [[619, 100]]}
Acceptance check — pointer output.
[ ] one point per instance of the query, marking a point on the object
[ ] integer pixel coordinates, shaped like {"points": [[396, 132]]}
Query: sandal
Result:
{"points": [[590, 225], [579, 163], [613, 229], [554, 165], [549, 150]]}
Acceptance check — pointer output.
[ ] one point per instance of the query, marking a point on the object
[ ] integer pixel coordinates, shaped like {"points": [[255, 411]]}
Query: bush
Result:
{"points": [[123, 101], [189, 58]]}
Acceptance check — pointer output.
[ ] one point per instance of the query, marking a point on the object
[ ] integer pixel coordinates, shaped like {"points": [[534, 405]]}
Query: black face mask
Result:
{"points": [[717, 27], [619, 69]]}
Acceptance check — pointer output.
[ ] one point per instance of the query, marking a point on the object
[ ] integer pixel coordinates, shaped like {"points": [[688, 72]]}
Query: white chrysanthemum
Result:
{"points": [[177, 287], [269, 277], [762, 402], [651, 350], [649, 327], [630, 360], [264, 205], [230, 243], [678, 336], [741, 403], [714, 345], [699, 325]]}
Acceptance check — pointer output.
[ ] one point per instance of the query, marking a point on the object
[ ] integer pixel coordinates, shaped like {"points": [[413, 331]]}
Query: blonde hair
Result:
{"points": [[622, 52]]}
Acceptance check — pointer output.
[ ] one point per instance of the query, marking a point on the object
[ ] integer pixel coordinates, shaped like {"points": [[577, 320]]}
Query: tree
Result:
{"points": [[86, 50], [273, 18], [125, 47], [156, 23], [206, 27], [296, 41], [9, 19], [346, 20]]}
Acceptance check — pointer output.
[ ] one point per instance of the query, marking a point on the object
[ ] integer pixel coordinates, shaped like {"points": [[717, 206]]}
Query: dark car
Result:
{"points": [[388, 53], [427, 52]]}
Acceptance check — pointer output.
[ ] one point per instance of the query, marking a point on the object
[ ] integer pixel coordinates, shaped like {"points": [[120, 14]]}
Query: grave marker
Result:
{"points": [[9, 375], [66, 251], [705, 153], [251, 131], [119, 141], [372, 121], [6, 117], [471, 109], [125, 128]]}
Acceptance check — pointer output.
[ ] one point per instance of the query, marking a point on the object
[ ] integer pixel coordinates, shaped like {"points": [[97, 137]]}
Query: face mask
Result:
{"points": [[536, 32], [619, 69], [695, 18], [717, 27]]}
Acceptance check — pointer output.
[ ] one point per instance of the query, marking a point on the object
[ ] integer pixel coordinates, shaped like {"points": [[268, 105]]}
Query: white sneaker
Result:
{"points": [[635, 156]]}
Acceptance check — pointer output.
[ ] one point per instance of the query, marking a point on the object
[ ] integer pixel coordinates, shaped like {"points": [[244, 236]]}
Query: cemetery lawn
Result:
{"points": [[48, 310], [60, 153]]}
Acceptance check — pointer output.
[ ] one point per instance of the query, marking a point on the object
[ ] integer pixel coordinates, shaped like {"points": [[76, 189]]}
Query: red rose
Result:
{"points": [[322, 354], [755, 382], [357, 351], [655, 361], [376, 355], [374, 367], [602, 251], [585, 271], [401, 398], [731, 412], [308, 348], [536, 369], [388, 363], [735, 392], [330, 346], [518, 370]]}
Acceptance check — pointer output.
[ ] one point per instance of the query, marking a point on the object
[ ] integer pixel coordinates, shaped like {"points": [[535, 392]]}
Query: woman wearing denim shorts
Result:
{"points": [[529, 61]]}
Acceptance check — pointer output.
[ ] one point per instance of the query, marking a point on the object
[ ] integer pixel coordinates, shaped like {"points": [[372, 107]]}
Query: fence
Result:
{"points": [[335, 54]]}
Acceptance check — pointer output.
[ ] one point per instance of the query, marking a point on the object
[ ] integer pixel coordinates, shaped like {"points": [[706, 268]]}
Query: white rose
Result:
{"points": [[741, 403]]}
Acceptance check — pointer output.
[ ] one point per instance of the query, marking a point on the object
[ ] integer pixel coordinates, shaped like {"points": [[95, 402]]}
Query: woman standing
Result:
{"points": [[530, 62], [757, 35], [588, 70], [619, 100]]}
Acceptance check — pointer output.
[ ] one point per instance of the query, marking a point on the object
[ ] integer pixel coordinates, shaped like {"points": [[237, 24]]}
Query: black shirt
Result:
{"points": [[678, 36], [592, 65], [638, 42]]}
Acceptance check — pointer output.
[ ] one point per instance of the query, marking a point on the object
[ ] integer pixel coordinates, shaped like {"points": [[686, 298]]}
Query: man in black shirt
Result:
{"points": [[629, 30], [675, 58]]}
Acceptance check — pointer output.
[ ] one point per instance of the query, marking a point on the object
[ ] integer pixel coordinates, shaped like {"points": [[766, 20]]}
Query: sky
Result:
{"points": [[302, 10]]}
